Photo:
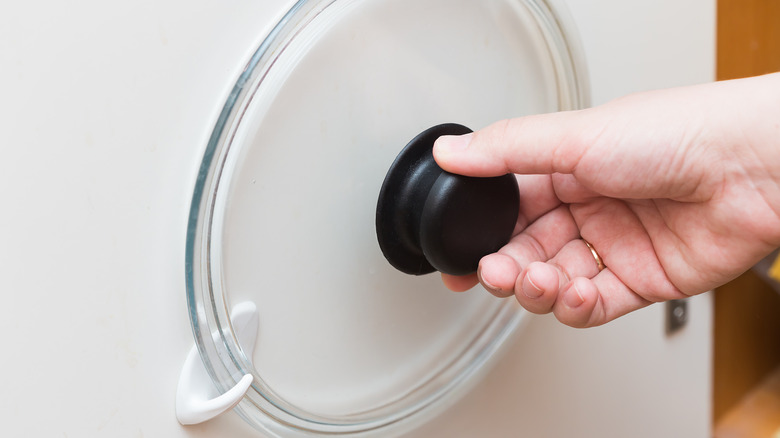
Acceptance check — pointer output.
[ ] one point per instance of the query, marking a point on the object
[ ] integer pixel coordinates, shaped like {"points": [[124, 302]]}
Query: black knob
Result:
{"points": [[430, 220]]}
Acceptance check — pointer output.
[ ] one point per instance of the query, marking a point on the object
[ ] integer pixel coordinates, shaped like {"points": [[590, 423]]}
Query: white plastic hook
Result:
{"points": [[196, 397]]}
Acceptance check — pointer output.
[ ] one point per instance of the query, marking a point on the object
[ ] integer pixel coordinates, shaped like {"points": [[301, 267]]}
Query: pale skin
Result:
{"points": [[677, 190]]}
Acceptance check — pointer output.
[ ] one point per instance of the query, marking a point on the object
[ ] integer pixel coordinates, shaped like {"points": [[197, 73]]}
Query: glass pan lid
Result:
{"points": [[283, 208]]}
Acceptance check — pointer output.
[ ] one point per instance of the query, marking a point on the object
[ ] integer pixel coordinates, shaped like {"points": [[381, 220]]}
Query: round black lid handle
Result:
{"points": [[430, 220]]}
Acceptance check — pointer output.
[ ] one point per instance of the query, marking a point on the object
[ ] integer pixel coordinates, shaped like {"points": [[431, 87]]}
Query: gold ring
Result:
{"points": [[596, 256]]}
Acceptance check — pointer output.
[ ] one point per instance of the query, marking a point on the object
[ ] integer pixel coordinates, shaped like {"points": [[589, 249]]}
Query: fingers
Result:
{"points": [[569, 284], [571, 287], [548, 267], [538, 286], [539, 242]]}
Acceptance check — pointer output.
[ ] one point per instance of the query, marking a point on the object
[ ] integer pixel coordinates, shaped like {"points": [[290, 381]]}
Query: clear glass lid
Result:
{"points": [[283, 209]]}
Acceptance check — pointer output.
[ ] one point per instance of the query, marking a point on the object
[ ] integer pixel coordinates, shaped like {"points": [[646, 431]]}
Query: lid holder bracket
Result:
{"points": [[197, 399]]}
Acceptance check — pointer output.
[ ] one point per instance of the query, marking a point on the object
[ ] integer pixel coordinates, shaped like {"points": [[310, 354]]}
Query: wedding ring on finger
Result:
{"points": [[596, 256]]}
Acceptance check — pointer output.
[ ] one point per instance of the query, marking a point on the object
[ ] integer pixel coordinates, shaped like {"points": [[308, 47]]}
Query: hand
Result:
{"points": [[677, 190]]}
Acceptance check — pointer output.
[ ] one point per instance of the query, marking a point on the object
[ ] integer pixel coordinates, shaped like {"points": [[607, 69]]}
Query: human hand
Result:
{"points": [[677, 190]]}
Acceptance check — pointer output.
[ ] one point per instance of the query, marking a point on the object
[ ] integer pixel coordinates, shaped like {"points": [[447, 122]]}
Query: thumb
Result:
{"points": [[541, 144]]}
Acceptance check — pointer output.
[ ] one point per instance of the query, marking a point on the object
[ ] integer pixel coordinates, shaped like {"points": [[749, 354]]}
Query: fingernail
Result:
{"points": [[455, 142], [484, 282], [534, 291], [572, 297]]}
